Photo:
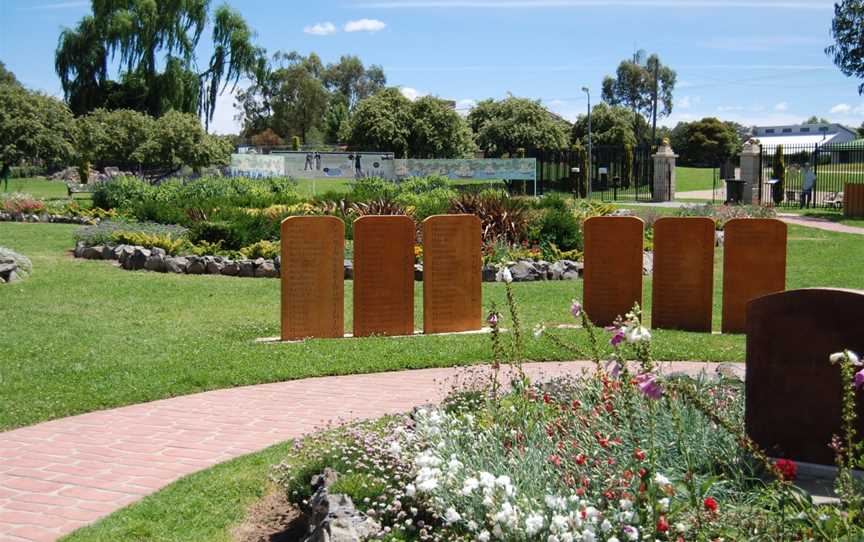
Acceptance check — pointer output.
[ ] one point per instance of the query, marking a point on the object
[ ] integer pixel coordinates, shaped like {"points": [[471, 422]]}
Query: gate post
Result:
{"points": [[751, 172], [664, 173]]}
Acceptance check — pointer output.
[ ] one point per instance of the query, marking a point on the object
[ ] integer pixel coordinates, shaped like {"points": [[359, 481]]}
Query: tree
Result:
{"points": [[267, 138], [7, 77], [143, 36], [337, 115], [645, 89], [355, 82], [437, 131], [33, 128], [501, 127], [817, 120], [707, 142], [380, 123], [299, 101], [610, 125], [178, 140], [110, 138], [847, 29]]}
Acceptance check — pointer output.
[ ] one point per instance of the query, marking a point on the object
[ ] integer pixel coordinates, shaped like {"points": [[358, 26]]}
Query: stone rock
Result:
{"points": [[23, 265], [156, 262], [259, 262], [79, 249], [277, 261], [719, 237], [525, 271], [156, 251], [247, 268], [489, 272], [542, 267], [334, 518], [124, 252], [231, 269], [196, 266], [565, 270], [138, 259], [176, 265], [112, 172], [2, 280], [213, 267], [92, 253], [349, 270], [418, 271], [108, 253], [266, 270], [647, 263]]}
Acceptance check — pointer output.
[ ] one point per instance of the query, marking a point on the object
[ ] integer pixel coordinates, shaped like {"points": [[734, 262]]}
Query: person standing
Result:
{"points": [[308, 164], [358, 168], [808, 186], [317, 161]]}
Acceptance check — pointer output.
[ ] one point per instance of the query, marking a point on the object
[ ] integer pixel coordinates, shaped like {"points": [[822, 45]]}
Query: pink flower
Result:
{"points": [[493, 318], [576, 309], [618, 336], [613, 368], [649, 385], [859, 380]]}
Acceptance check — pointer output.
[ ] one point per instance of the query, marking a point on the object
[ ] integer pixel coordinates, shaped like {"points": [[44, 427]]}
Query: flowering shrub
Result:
{"points": [[17, 202], [723, 213]]}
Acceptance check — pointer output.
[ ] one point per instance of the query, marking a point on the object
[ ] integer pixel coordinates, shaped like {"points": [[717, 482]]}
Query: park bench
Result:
{"points": [[74, 188], [834, 199]]}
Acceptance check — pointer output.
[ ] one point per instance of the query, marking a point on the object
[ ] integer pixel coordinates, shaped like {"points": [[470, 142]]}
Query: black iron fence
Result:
{"points": [[814, 175], [615, 173]]}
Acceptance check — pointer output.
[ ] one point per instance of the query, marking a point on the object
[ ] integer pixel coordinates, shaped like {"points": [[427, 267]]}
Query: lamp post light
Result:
{"points": [[587, 91]]}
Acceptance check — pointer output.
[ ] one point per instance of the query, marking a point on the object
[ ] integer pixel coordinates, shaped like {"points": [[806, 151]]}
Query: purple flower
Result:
{"points": [[492, 318], [618, 337], [576, 309], [649, 385], [613, 368], [859, 380]]}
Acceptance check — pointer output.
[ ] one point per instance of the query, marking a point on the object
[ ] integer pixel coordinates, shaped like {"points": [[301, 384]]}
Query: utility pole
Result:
{"points": [[587, 91]]}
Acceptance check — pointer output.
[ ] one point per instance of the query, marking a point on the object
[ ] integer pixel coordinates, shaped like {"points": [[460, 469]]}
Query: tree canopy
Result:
{"points": [[34, 127], [817, 120], [610, 125], [7, 77], [636, 85], [706, 142], [437, 131], [847, 29], [504, 126], [381, 122], [144, 36]]}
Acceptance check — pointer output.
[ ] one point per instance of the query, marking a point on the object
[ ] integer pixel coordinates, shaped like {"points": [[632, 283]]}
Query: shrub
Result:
{"points": [[503, 218], [18, 202], [149, 240], [426, 204], [419, 185], [723, 213], [122, 193], [262, 249], [103, 233], [561, 228], [373, 188], [553, 200], [214, 232]]}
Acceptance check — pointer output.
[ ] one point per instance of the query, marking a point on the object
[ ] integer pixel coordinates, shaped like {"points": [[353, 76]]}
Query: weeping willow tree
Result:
{"points": [[152, 44]]}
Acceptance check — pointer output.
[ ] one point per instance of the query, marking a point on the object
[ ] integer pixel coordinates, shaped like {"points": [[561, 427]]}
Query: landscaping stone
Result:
{"points": [[525, 271], [156, 262], [124, 252], [158, 251], [14, 266], [333, 517], [565, 270], [647, 263], [247, 268], [79, 249], [176, 265], [92, 253], [266, 270], [213, 267], [138, 259], [349, 270], [196, 266], [418, 271], [108, 253], [231, 269], [489, 272], [719, 237]]}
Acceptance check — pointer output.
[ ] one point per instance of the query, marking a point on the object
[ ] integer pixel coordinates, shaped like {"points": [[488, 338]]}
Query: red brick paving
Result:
{"points": [[60, 475], [819, 224]]}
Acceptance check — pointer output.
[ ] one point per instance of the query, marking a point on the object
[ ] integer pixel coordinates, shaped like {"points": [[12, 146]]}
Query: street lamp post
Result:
{"points": [[587, 91]]}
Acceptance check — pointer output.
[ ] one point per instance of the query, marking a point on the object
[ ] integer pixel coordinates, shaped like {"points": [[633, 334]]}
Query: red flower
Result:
{"points": [[788, 469], [546, 398], [580, 459], [662, 525], [639, 454], [555, 460], [710, 504]]}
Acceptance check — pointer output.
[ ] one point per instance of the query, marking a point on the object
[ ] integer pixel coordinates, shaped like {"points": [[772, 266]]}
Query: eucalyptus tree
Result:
{"points": [[643, 87], [154, 47]]}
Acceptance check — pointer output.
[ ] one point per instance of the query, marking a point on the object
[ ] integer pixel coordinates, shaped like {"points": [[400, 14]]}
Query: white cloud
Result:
{"points": [[782, 106], [320, 29], [411, 93], [686, 102], [364, 25], [58, 5], [841, 109]]}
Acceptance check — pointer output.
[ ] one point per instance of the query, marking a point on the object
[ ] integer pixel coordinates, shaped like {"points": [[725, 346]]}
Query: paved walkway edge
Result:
{"points": [[63, 474]]}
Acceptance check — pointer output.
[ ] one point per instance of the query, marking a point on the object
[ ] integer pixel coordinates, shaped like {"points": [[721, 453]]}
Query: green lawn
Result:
{"points": [[694, 178], [834, 215], [86, 335], [41, 188]]}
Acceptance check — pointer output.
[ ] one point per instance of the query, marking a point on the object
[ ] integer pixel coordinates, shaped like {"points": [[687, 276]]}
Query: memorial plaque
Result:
{"points": [[793, 393], [451, 274], [683, 284], [383, 275], [613, 266], [754, 264], [313, 249]]}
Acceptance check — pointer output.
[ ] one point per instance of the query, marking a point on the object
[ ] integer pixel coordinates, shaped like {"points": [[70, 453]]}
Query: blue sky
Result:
{"points": [[752, 61]]}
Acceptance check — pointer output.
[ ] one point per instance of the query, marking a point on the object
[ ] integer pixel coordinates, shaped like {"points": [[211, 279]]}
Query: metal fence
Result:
{"points": [[814, 174], [616, 173]]}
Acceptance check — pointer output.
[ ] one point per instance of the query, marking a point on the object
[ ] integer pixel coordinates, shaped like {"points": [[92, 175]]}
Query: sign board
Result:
{"points": [[257, 166], [513, 169], [337, 165]]}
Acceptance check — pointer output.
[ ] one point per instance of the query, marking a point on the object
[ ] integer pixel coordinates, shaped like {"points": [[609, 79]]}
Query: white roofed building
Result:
{"points": [[802, 135]]}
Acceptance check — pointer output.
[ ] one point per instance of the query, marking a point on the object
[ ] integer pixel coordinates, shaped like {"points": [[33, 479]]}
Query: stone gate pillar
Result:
{"points": [[664, 173], [751, 175]]}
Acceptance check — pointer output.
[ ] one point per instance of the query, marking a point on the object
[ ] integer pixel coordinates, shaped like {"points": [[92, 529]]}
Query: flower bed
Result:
{"points": [[622, 454]]}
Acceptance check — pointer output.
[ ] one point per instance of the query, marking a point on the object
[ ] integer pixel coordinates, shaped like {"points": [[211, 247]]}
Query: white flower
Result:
{"points": [[589, 536], [661, 480], [472, 525], [539, 330], [452, 516], [533, 524], [469, 485], [637, 334], [503, 275], [613, 539], [625, 504], [559, 523], [632, 533], [487, 480], [395, 448], [566, 537], [410, 490], [454, 465], [428, 485], [484, 536], [837, 357], [606, 526], [555, 503], [552, 538], [592, 513], [664, 504]]}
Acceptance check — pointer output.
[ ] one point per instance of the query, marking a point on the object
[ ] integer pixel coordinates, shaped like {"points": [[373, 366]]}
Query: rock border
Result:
{"points": [[14, 267], [45, 217]]}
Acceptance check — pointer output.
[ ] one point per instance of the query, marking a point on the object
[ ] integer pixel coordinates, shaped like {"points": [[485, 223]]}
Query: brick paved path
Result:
{"points": [[819, 224], [59, 475]]}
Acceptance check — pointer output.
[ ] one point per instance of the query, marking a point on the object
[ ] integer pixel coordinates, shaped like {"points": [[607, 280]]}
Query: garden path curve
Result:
{"points": [[819, 224], [60, 475]]}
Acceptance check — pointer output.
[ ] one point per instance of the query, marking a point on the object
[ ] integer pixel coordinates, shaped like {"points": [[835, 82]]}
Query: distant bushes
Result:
{"points": [[721, 214]]}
